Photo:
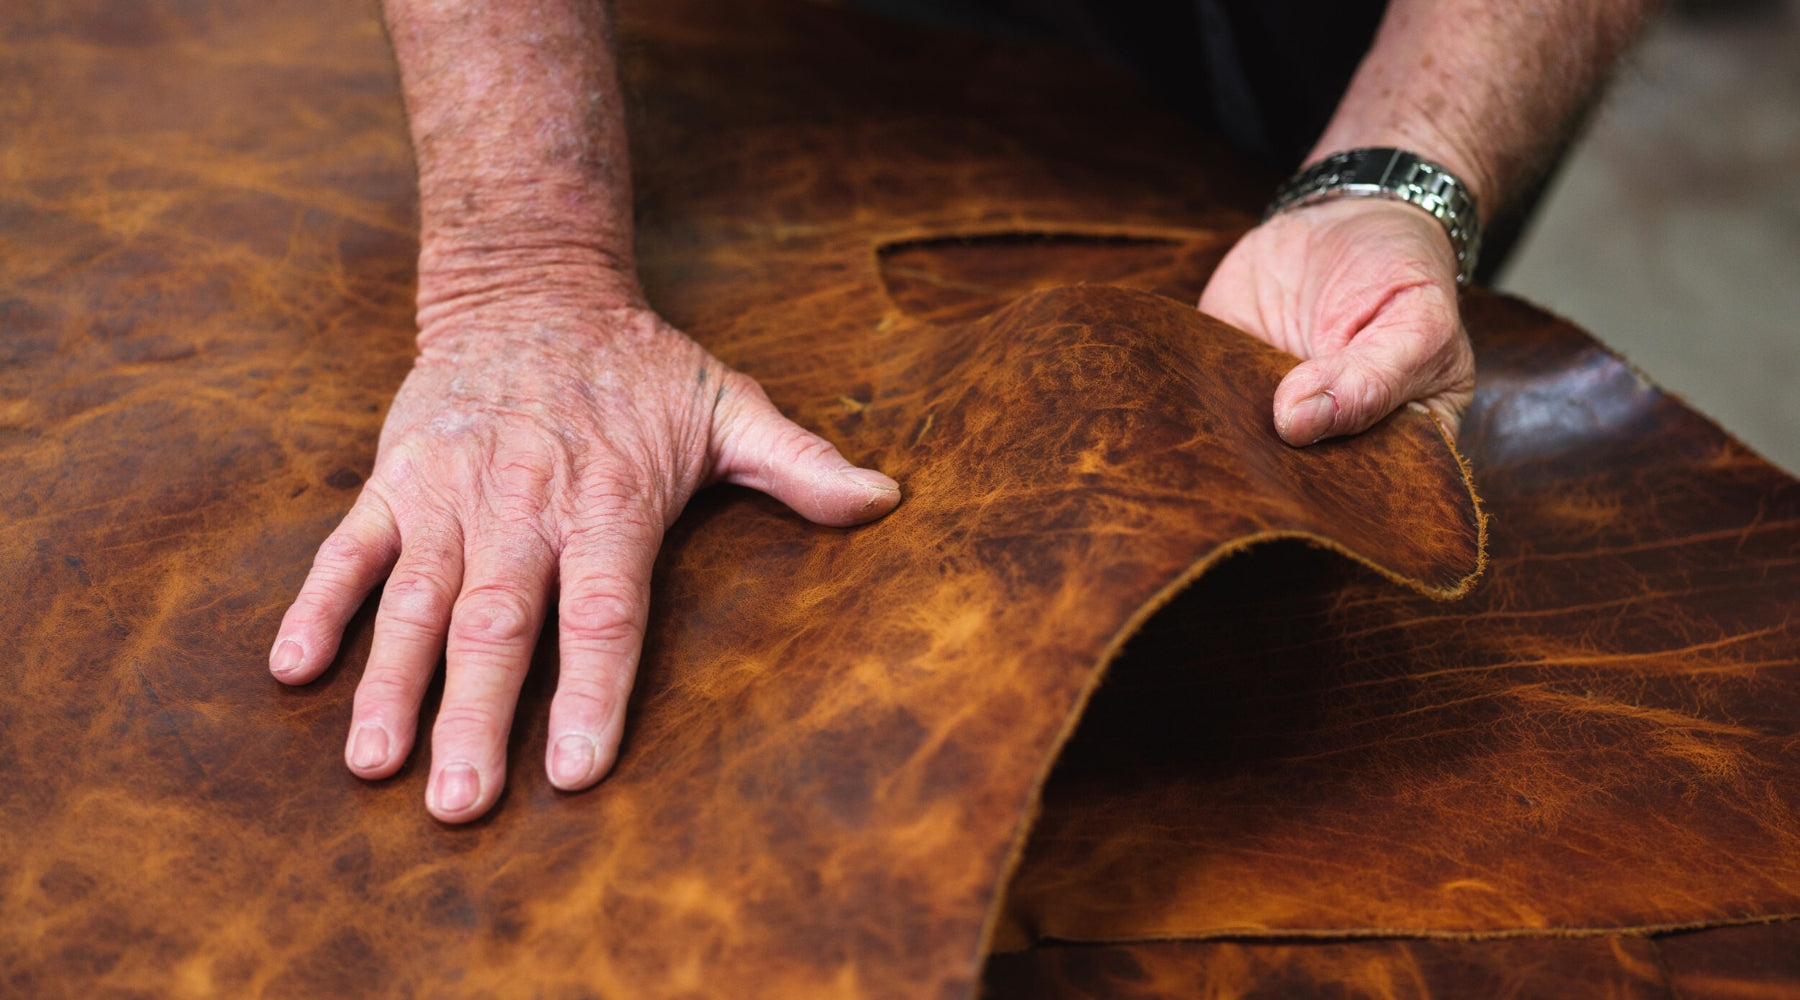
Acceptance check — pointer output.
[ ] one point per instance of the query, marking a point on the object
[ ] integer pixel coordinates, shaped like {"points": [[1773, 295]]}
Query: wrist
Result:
{"points": [[523, 275]]}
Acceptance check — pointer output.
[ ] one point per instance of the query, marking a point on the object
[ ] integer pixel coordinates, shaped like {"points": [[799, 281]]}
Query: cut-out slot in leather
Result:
{"points": [[956, 278]]}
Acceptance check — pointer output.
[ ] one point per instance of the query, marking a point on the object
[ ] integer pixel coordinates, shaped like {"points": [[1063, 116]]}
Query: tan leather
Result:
{"points": [[839, 737]]}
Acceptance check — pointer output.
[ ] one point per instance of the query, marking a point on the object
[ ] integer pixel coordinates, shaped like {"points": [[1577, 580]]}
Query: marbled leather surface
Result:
{"points": [[838, 737]]}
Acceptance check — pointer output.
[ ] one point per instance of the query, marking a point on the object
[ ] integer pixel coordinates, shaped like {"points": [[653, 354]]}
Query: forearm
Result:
{"points": [[518, 128], [1487, 88]]}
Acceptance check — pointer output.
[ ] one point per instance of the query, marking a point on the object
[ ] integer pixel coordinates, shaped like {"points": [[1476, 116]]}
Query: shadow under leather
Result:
{"points": [[1168, 717], [1595, 740]]}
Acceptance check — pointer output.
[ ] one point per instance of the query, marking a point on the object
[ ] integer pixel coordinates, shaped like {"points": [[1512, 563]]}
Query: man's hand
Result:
{"points": [[1364, 291], [541, 446], [550, 431]]}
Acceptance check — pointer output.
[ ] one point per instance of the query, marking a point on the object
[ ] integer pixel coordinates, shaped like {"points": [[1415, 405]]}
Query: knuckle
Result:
{"points": [[605, 497], [608, 520], [415, 600], [311, 610], [341, 550], [464, 725], [494, 615], [383, 688], [586, 700], [1381, 390], [524, 480], [606, 632], [600, 617], [800, 446]]}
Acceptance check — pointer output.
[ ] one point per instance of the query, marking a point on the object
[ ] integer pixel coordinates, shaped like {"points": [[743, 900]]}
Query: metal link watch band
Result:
{"points": [[1397, 175]]}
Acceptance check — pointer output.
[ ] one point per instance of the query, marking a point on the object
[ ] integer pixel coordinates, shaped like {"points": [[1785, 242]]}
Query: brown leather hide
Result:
{"points": [[839, 738]]}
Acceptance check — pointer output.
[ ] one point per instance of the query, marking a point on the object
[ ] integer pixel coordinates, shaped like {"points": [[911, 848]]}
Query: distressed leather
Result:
{"points": [[969, 265]]}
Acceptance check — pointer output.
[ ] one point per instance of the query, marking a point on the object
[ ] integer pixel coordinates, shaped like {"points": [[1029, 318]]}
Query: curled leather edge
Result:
{"points": [[992, 922], [1330, 935]]}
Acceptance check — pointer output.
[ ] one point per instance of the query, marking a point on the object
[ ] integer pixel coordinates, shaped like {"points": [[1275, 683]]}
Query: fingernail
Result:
{"points": [[871, 480], [457, 788], [1311, 418], [573, 759], [369, 748], [287, 657]]}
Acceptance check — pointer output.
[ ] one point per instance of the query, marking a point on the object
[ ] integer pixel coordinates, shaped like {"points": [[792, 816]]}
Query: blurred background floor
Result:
{"points": [[1672, 232]]}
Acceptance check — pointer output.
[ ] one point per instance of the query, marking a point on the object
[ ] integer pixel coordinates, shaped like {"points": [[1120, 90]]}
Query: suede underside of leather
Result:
{"points": [[972, 266]]}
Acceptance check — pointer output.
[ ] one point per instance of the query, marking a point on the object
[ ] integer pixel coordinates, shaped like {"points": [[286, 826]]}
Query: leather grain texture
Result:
{"points": [[839, 738]]}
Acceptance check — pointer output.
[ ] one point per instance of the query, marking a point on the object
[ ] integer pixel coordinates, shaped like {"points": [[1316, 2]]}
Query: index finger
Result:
{"points": [[350, 562]]}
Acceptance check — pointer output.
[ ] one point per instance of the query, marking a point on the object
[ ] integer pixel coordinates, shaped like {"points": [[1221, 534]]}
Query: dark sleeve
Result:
{"points": [[1266, 74]]}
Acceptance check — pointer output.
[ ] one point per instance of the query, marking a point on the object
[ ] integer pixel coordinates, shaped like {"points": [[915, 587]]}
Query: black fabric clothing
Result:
{"points": [[1266, 74]]}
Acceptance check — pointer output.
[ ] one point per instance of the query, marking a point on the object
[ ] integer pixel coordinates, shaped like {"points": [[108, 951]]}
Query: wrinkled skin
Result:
{"points": [[541, 445], [1364, 292]]}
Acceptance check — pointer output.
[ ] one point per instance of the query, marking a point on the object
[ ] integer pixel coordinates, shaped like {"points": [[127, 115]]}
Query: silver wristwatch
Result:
{"points": [[1395, 174]]}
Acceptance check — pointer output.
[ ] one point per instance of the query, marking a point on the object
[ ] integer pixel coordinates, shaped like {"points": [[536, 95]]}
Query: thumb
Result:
{"points": [[758, 447], [1413, 350]]}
